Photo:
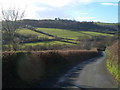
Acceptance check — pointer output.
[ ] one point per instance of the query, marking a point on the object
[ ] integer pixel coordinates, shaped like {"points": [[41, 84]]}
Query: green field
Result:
{"points": [[47, 43], [28, 32], [99, 23], [96, 33], [71, 34], [59, 33], [62, 33], [43, 44]]}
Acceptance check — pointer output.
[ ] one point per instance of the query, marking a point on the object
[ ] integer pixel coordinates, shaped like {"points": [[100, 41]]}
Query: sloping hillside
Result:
{"points": [[58, 38], [72, 25]]}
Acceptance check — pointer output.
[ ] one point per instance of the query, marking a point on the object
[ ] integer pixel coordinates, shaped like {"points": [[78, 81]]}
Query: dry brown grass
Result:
{"points": [[113, 51]]}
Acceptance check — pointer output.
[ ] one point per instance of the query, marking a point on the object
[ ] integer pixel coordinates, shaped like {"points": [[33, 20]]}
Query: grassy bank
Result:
{"points": [[21, 69], [113, 61]]}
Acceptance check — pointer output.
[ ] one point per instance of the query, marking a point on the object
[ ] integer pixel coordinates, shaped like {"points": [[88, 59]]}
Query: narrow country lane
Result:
{"points": [[88, 74]]}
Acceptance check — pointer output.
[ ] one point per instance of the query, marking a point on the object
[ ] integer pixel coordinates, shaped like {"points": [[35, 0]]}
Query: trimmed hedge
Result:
{"points": [[23, 69]]}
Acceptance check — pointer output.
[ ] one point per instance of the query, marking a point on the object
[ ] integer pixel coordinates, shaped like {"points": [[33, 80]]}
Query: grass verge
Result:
{"points": [[112, 66]]}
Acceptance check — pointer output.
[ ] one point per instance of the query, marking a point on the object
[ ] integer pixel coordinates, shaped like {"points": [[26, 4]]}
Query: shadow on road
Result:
{"points": [[67, 80]]}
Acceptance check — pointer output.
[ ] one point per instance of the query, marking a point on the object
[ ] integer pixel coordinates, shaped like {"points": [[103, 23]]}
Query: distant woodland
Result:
{"points": [[110, 28]]}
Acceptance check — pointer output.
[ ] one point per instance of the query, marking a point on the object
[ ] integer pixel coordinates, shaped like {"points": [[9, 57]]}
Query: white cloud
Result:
{"points": [[28, 6], [94, 19], [84, 18], [54, 3], [31, 11], [109, 4], [33, 6], [83, 13], [89, 1]]}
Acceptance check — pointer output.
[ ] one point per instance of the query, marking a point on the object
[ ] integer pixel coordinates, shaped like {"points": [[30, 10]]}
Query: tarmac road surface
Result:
{"points": [[89, 74]]}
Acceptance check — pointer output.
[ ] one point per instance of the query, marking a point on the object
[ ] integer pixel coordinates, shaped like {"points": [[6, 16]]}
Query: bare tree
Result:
{"points": [[10, 23]]}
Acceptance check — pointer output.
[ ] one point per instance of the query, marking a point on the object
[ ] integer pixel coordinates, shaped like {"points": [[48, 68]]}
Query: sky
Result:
{"points": [[79, 10]]}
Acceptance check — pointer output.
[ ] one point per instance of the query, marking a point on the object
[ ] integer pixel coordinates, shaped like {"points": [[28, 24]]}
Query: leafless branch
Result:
{"points": [[10, 22]]}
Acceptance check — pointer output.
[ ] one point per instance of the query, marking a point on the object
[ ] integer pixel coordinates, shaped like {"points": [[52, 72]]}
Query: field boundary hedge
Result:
{"points": [[21, 69]]}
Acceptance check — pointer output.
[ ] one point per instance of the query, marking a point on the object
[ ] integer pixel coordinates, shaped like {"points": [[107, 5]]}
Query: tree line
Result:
{"points": [[71, 25]]}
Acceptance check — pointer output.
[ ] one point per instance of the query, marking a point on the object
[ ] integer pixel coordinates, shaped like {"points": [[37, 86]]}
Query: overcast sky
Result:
{"points": [[80, 10]]}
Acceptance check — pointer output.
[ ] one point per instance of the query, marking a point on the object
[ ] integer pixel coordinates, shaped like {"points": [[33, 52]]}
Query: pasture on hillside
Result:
{"points": [[52, 38], [71, 34], [28, 32]]}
